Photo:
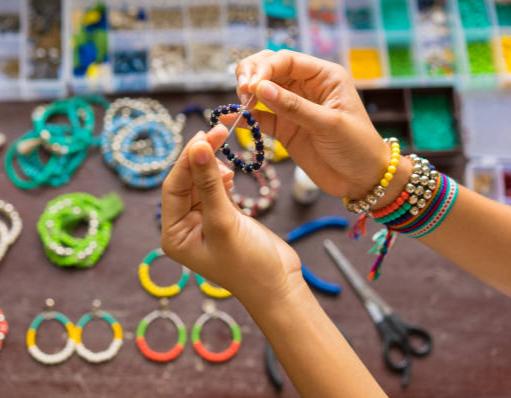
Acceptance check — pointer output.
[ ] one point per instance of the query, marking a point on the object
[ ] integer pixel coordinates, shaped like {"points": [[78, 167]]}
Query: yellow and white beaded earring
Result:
{"points": [[115, 345], [31, 337]]}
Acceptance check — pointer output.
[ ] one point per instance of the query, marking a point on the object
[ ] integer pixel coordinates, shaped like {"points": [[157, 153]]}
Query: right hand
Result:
{"points": [[319, 118]]}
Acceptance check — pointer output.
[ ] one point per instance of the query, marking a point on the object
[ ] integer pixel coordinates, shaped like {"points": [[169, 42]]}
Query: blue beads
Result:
{"points": [[256, 134]]}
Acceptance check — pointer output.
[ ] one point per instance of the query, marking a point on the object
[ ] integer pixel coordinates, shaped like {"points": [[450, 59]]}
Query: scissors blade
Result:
{"points": [[369, 297]]}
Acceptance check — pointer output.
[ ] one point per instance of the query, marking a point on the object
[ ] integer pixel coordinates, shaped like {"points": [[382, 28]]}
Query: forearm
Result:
{"points": [[315, 355], [476, 235]]}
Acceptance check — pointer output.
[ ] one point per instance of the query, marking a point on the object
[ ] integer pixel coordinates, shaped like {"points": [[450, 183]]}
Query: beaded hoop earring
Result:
{"points": [[115, 345], [4, 328], [210, 312], [31, 338], [269, 186], [154, 289], [237, 162], [174, 352], [211, 290]]}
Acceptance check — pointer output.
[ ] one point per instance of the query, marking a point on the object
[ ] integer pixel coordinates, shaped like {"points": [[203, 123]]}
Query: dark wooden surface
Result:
{"points": [[470, 322]]}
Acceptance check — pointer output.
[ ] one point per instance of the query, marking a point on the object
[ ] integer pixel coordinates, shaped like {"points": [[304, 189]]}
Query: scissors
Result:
{"points": [[399, 338]]}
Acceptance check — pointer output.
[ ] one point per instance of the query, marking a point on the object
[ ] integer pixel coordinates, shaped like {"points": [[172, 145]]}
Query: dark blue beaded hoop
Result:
{"points": [[258, 156]]}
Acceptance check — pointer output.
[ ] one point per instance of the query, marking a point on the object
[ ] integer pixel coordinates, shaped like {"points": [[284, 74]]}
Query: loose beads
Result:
{"points": [[210, 312], [174, 352], [4, 328], [258, 157], [365, 205], [66, 211], [154, 289], [10, 231], [141, 141], [269, 186], [31, 337], [115, 345], [210, 290], [66, 145]]}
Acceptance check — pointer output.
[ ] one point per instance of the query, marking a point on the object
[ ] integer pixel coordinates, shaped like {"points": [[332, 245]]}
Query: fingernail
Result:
{"points": [[201, 156], [242, 80], [244, 99], [255, 79], [268, 90]]}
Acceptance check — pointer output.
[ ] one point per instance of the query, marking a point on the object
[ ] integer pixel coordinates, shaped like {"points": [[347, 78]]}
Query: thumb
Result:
{"points": [[291, 106], [208, 182]]}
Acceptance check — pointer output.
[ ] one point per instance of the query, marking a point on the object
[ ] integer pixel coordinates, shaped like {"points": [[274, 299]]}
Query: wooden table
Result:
{"points": [[470, 322]]}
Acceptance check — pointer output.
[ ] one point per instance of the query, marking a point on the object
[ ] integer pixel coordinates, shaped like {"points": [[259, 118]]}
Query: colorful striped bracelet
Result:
{"points": [[31, 339], [174, 352], [115, 345], [210, 312]]}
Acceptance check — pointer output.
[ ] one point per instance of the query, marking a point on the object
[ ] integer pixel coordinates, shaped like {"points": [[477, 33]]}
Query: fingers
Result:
{"points": [[293, 107], [207, 180]]}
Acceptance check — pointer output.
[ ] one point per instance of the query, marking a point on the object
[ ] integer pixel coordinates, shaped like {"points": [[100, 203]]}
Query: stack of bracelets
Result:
{"points": [[65, 144], [421, 207], [9, 230], [269, 185], [66, 212], [141, 141]]}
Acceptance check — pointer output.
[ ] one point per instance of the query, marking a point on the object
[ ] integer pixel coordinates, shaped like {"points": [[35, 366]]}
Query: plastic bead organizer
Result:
{"points": [[126, 45]]}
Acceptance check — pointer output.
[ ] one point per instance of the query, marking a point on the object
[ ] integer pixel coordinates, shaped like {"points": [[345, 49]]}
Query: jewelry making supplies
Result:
{"points": [[64, 144], [211, 312], [238, 163], [141, 141], [63, 214], [10, 229], [269, 185], [4, 328], [161, 356], [115, 345], [31, 337]]}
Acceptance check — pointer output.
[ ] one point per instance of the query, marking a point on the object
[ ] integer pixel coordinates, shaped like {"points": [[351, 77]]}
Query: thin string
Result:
{"points": [[234, 125]]}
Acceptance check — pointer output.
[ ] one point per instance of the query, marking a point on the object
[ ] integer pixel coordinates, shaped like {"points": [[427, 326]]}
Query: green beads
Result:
{"points": [[433, 126], [395, 15], [63, 214], [400, 61], [65, 145], [473, 13], [480, 57], [503, 13]]}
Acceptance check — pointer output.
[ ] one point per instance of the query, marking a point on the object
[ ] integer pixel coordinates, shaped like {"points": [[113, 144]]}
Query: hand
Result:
{"points": [[203, 230], [320, 119]]}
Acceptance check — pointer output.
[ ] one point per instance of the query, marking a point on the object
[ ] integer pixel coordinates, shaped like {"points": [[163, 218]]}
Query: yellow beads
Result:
{"points": [[365, 63], [395, 156], [506, 51]]}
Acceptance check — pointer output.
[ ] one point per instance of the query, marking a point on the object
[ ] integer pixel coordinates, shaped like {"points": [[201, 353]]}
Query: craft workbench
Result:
{"points": [[469, 321]]}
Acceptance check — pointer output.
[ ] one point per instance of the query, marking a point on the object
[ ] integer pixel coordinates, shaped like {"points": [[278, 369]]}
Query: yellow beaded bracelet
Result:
{"points": [[365, 205]]}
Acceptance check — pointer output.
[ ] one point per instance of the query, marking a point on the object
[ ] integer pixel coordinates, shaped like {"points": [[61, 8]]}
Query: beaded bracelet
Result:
{"points": [[4, 328], [269, 185], [65, 145], [366, 204], [238, 163], [115, 345], [9, 232], [210, 312], [141, 141], [31, 337], [175, 351], [65, 212]]}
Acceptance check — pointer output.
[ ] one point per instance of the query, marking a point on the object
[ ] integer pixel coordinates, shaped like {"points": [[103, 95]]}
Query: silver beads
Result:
{"points": [[10, 230], [410, 188]]}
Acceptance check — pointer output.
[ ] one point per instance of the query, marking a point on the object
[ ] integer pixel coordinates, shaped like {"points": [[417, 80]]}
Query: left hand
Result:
{"points": [[203, 229]]}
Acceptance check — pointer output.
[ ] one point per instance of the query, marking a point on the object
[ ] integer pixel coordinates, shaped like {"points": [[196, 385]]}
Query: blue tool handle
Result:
{"points": [[320, 284], [316, 225]]}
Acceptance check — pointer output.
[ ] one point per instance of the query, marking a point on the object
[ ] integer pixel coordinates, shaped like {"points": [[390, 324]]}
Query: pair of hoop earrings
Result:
{"points": [[74, 335], [176, 288], [210, 312]]}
